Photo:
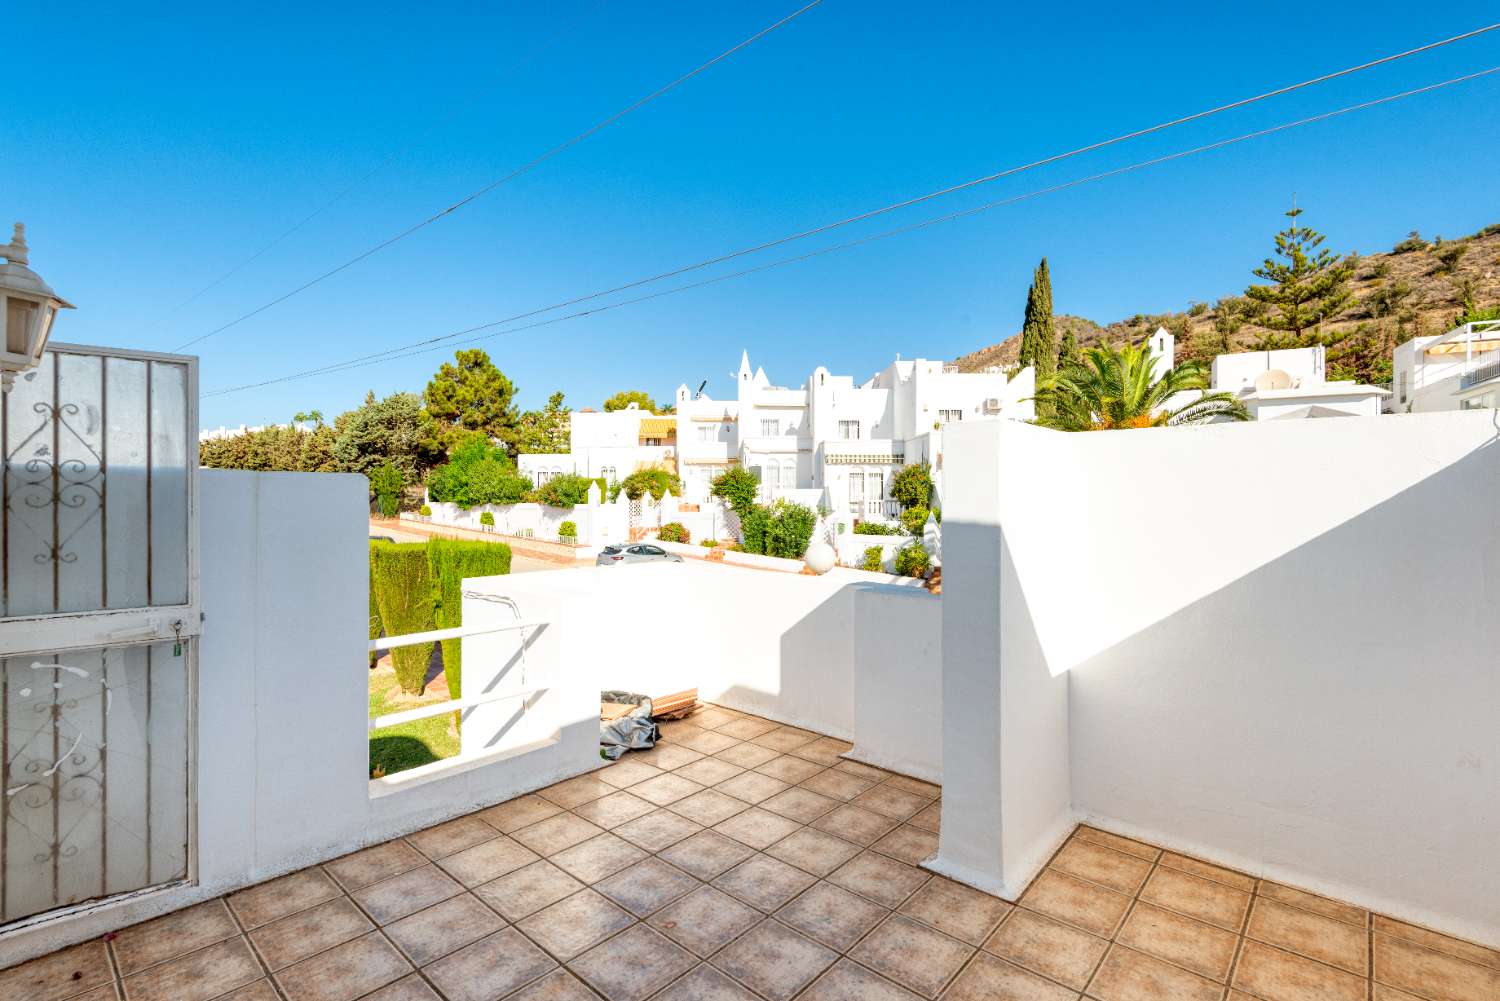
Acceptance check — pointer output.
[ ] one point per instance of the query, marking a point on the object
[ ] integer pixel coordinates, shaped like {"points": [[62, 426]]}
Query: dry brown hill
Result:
{"points": [[1415, 289]]}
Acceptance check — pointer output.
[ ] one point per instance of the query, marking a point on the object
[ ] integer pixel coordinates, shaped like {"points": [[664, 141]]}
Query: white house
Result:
{"points": [[1459, 370], [611, 445]]}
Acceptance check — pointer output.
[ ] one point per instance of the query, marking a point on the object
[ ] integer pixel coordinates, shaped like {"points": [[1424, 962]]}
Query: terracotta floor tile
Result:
{"points": [[557, 833], [708, 771], [261, 990], [705, 984], [1048, 947], [677, 730], [1407, 966], [833, 915], [1380, 993], [1276, 975], [911, 845], [881, 879], [1197, 898], [813, 851], [172, 935], [705, 920], [1309, 934], [708, 807], [613, 810], [511, 816], [647, 886], [714, 719], [708, 742], [913, 955], [669, 756], [789, 768], [706, 854], [266, 902], [1325, 906], [454, 836], [577, 791], [345, 972], [785, 738], [774, 961], [837, 785], [528, 890], [487, 860], [863, 770], [752, 787], [992, 979], [929, 819], [826, 751], [431, 934], [1441, 943], [799, 804], [667, 787], [764, 882], [757, 828], [58, 975], [1101, 865], [409, 988], [393, 899], [574, 925], [374, 864], [633, 965], [747, 727], [1195, 945], [889, 801], [628, 771], [1118, 843], [926, 790], [855, 824], [297, 936], [747, 755], [1126, 975], [956, 910], [658, 830], [847, 981], [1218, 874], [489, 969], [1088, 906], [197, 976], [597, 858], [559, 985]]}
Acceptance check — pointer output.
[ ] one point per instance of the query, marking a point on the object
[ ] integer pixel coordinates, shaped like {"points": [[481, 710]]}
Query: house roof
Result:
{"points": [[658, 427]]}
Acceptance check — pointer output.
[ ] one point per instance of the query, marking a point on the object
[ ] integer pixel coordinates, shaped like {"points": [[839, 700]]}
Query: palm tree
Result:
{"points": [[1117, 388]]}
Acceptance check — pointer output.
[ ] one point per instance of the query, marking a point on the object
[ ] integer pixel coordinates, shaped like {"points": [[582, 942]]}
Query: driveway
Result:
{"points": [[520, 560]]}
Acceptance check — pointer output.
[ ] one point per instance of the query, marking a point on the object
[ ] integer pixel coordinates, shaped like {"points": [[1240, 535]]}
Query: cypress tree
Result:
{"points": [[1038, 338], [1069, 353]]}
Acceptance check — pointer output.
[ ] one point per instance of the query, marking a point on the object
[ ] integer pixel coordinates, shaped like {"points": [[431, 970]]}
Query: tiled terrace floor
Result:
{"points": [[741, 860]]}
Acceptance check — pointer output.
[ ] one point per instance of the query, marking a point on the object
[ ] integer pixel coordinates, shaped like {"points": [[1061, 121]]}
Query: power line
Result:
{"points": [[923, 198], [426, 347], [386, 162], [517, 172]]}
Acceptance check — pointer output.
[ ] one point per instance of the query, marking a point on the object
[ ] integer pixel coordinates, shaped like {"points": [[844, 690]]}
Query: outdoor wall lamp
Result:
{"points": [[27, 308]]}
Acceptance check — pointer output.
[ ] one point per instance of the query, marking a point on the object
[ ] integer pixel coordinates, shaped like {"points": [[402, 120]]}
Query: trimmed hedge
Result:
{"points": [[449, 561], [874, 528], [487, 518], [403, 590], [567, 530], [374, 608]]}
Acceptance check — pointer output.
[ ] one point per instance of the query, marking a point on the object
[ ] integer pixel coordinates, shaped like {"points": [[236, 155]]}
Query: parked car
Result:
{"points": [[636, 552]]}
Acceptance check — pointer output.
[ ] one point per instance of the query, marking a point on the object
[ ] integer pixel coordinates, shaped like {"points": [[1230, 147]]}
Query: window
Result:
{"points": [[789, 474], [849, 430], [708, 433], [1404, 377], [875, 487], [949, 416], [856, 493], [770, 429]]}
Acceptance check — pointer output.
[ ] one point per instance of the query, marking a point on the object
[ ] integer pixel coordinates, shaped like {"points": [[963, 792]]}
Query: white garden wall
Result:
{"points": [[1277, 647]]}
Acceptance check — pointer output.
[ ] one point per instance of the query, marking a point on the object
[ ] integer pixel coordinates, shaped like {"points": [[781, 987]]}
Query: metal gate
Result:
{"points": [[98, 627]]}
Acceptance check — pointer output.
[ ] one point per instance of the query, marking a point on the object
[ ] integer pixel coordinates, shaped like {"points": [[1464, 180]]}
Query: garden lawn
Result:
{"points": [[397, 748]]}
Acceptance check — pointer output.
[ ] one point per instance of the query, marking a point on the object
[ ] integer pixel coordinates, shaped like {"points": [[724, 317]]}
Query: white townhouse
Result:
{"points": [[612, 444], [831, 442], [1459, 370]]}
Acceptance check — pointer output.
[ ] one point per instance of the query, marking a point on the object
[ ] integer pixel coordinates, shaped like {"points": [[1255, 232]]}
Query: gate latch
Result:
{"points": [[177, 632]]}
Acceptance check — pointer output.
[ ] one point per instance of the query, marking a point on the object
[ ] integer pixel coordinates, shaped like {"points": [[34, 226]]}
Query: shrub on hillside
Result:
{"points": [[404, 594], [1413, 242], [450, 562], [912, 561], [674, 531], [874, 558]]}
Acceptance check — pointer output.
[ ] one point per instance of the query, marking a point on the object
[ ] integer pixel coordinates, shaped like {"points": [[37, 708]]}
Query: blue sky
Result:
{"points": [[150, 148]]}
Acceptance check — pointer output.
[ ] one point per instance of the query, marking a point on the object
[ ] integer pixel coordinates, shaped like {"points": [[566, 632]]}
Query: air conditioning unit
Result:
{"points": [[992, 406]]}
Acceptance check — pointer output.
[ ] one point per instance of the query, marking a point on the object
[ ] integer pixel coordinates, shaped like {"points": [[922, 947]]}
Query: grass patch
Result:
{"points": [[397, 748]]}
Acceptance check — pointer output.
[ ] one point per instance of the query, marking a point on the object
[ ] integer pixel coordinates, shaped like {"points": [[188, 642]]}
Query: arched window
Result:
{"points": [[789, 474]]}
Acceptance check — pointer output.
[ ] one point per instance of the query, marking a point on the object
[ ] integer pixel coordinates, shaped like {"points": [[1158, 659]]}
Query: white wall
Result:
{"points": [[898, 679]]}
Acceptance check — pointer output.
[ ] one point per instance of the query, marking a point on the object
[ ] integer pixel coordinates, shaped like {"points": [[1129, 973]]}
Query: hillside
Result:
{"points": [[1416, 289]]}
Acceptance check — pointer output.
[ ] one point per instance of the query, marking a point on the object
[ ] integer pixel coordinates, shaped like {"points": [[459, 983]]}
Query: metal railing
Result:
{"points": [[451, 705], [1481, 368]]}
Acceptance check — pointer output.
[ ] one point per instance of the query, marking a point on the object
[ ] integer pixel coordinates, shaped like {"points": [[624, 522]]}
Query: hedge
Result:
{"points": [[874, 528], [403, 590], [374, 608], [674, 531], [449, 561], [874, 558], [912, 561]]}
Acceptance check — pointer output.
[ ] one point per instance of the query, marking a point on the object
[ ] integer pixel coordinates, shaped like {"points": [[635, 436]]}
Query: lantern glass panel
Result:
{"points": [[19, 316]]}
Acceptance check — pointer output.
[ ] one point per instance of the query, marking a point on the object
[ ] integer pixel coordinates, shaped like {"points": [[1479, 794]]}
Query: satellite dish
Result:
{"points": [[1273, 378]]}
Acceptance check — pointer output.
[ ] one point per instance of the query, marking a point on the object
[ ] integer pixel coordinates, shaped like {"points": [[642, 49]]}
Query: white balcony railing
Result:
{"points": [[451, 705]]}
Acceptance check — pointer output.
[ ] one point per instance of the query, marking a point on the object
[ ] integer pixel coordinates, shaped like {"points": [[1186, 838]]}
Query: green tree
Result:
{"points": [[737, 487], [1038, 336], [314, 417], [912, 486], [394, 430], [626, 397], [1117, 388], [1068, 351], [1308, 284], [386, 483], [471, 394], [654, 481], [545, 431], [477, 472], [567, 490]]}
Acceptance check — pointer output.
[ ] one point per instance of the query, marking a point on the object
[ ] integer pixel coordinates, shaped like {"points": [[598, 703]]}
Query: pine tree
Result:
{"points": [[1309, 285], [1038, 339]]}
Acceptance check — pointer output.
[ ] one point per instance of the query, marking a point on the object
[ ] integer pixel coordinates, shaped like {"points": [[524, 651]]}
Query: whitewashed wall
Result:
{"points": [[597, 524], [1277, 643]]}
